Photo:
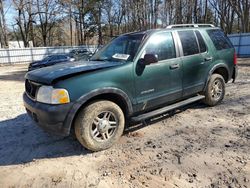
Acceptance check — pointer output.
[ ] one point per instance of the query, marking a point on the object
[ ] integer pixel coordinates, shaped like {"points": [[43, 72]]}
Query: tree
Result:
{"points": [[49, 12], [225, 13], [3, 27], [80, 21], [242, 9], [25, 19]]}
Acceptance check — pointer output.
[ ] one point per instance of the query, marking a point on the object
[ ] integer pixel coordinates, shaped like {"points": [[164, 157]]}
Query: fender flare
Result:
{"points": [[83, 99], [220, 65]]}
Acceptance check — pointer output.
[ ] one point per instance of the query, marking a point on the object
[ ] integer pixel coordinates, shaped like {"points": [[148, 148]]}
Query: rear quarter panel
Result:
{"points": [[220, 57]]}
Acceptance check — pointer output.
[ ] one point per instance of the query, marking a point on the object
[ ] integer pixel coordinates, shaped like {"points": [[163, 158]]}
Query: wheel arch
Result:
{"points": [[221, 69], [112, 94]]}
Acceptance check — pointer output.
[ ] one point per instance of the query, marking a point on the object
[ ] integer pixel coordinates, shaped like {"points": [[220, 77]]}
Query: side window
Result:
{"points": [[63, 57], [202, 45], [53, 58], [162, 45], [59, 57], [219, 39], [189, 42]]}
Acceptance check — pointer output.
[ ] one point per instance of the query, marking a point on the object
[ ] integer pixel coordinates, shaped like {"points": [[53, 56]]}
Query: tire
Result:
{"points": [[215, 90], [99, 125]]}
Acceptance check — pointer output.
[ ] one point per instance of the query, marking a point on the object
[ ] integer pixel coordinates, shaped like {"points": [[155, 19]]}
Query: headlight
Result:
{"points": [[50, 95]]}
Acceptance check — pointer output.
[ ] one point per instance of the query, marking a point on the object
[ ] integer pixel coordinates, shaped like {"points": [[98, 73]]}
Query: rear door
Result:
{"points": [[160, 82], [195, 59], [223, 47]]}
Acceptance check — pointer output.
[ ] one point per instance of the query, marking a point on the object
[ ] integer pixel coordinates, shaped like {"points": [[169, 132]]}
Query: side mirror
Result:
{"points": [[149, 59]]}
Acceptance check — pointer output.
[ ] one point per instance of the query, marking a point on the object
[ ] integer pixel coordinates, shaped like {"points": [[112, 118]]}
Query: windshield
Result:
{"points": [[47, 58], [122, 48]]}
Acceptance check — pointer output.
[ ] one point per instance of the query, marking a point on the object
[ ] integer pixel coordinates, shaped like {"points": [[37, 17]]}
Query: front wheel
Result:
{"points": [[215, 90], [99, 125]]}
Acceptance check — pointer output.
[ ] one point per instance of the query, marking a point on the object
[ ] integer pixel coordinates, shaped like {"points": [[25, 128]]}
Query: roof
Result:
{"points": [[190, 26], [174, 27]]}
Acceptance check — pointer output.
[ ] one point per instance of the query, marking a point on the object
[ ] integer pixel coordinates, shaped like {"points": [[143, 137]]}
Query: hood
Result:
{"points": [[48, 74]]}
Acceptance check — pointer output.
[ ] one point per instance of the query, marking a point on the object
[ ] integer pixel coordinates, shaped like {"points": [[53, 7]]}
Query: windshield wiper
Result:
{"points": [[98, 59]]}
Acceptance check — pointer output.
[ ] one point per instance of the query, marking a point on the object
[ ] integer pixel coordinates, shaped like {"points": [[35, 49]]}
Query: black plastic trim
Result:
{"points": [[220, 65], [167, 108], [235, 73], [49, 117]]}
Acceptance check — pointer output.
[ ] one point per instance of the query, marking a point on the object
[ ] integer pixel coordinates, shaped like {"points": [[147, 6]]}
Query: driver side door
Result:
{"points": [[161, 82]]}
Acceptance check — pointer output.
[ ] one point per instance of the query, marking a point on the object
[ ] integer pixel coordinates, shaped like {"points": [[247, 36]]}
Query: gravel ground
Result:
{"points": [[195, 146]]}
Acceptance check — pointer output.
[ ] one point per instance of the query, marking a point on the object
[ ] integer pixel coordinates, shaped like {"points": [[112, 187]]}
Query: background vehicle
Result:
{"points": [[137, 76], [50, 60], [80, 54]]}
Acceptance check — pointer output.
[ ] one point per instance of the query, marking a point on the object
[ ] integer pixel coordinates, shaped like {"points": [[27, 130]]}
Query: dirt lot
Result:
{"points": [[196, 146]]}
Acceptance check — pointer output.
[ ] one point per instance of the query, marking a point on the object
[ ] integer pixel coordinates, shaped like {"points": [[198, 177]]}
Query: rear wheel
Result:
{"points": [[215, 90], [99, 125]]}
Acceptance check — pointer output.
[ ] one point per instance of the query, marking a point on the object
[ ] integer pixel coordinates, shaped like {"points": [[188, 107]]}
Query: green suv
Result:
{"points": [[136, 76]]}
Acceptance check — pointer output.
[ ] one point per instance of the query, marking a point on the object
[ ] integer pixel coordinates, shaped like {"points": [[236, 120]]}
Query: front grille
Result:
{"points": [[31, 88]]}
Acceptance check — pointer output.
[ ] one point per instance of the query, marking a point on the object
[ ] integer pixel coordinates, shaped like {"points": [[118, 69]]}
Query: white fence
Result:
{"points": [[27, 55]]}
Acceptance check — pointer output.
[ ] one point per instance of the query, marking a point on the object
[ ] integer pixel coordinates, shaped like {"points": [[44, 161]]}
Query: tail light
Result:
{"points": [[235, 59]]}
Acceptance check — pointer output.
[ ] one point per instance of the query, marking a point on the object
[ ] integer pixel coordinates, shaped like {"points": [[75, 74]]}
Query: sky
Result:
{"points": [[10, 13]]}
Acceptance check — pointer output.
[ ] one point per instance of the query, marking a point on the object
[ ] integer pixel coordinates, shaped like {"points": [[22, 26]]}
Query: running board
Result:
{"points": [[167, 108]]}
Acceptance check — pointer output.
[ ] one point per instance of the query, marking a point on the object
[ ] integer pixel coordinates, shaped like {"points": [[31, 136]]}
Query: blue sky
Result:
{"points": [[10, 13]]}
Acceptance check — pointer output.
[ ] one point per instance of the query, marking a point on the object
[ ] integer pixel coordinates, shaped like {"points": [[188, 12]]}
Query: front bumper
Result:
{"points": [[51, 118], [235, 73]]}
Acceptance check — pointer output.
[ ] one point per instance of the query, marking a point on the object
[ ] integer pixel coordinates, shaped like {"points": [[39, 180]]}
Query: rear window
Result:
{"points": [[189, 43], [219, 39]]}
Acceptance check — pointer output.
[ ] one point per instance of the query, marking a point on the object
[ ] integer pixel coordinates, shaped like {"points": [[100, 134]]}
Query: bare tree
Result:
{"points": [[25, 19], [242, 9], [3, 27], [91, 20], [225, 14], [49, 13]]}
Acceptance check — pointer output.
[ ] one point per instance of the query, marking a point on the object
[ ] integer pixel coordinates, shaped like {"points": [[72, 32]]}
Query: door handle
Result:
{"points": [[174, 66], [208, 59]]}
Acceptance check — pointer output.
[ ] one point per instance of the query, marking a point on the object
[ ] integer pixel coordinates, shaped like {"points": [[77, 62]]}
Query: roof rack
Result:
{"points": [[189, 25]]}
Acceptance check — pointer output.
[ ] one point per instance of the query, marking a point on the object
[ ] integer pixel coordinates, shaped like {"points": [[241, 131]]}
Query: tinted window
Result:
{"points": [[83, 50], [162, 45], [53, 58], [47, 58], [189, 42], [62, 57], [201, 42], [219, 39]]}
